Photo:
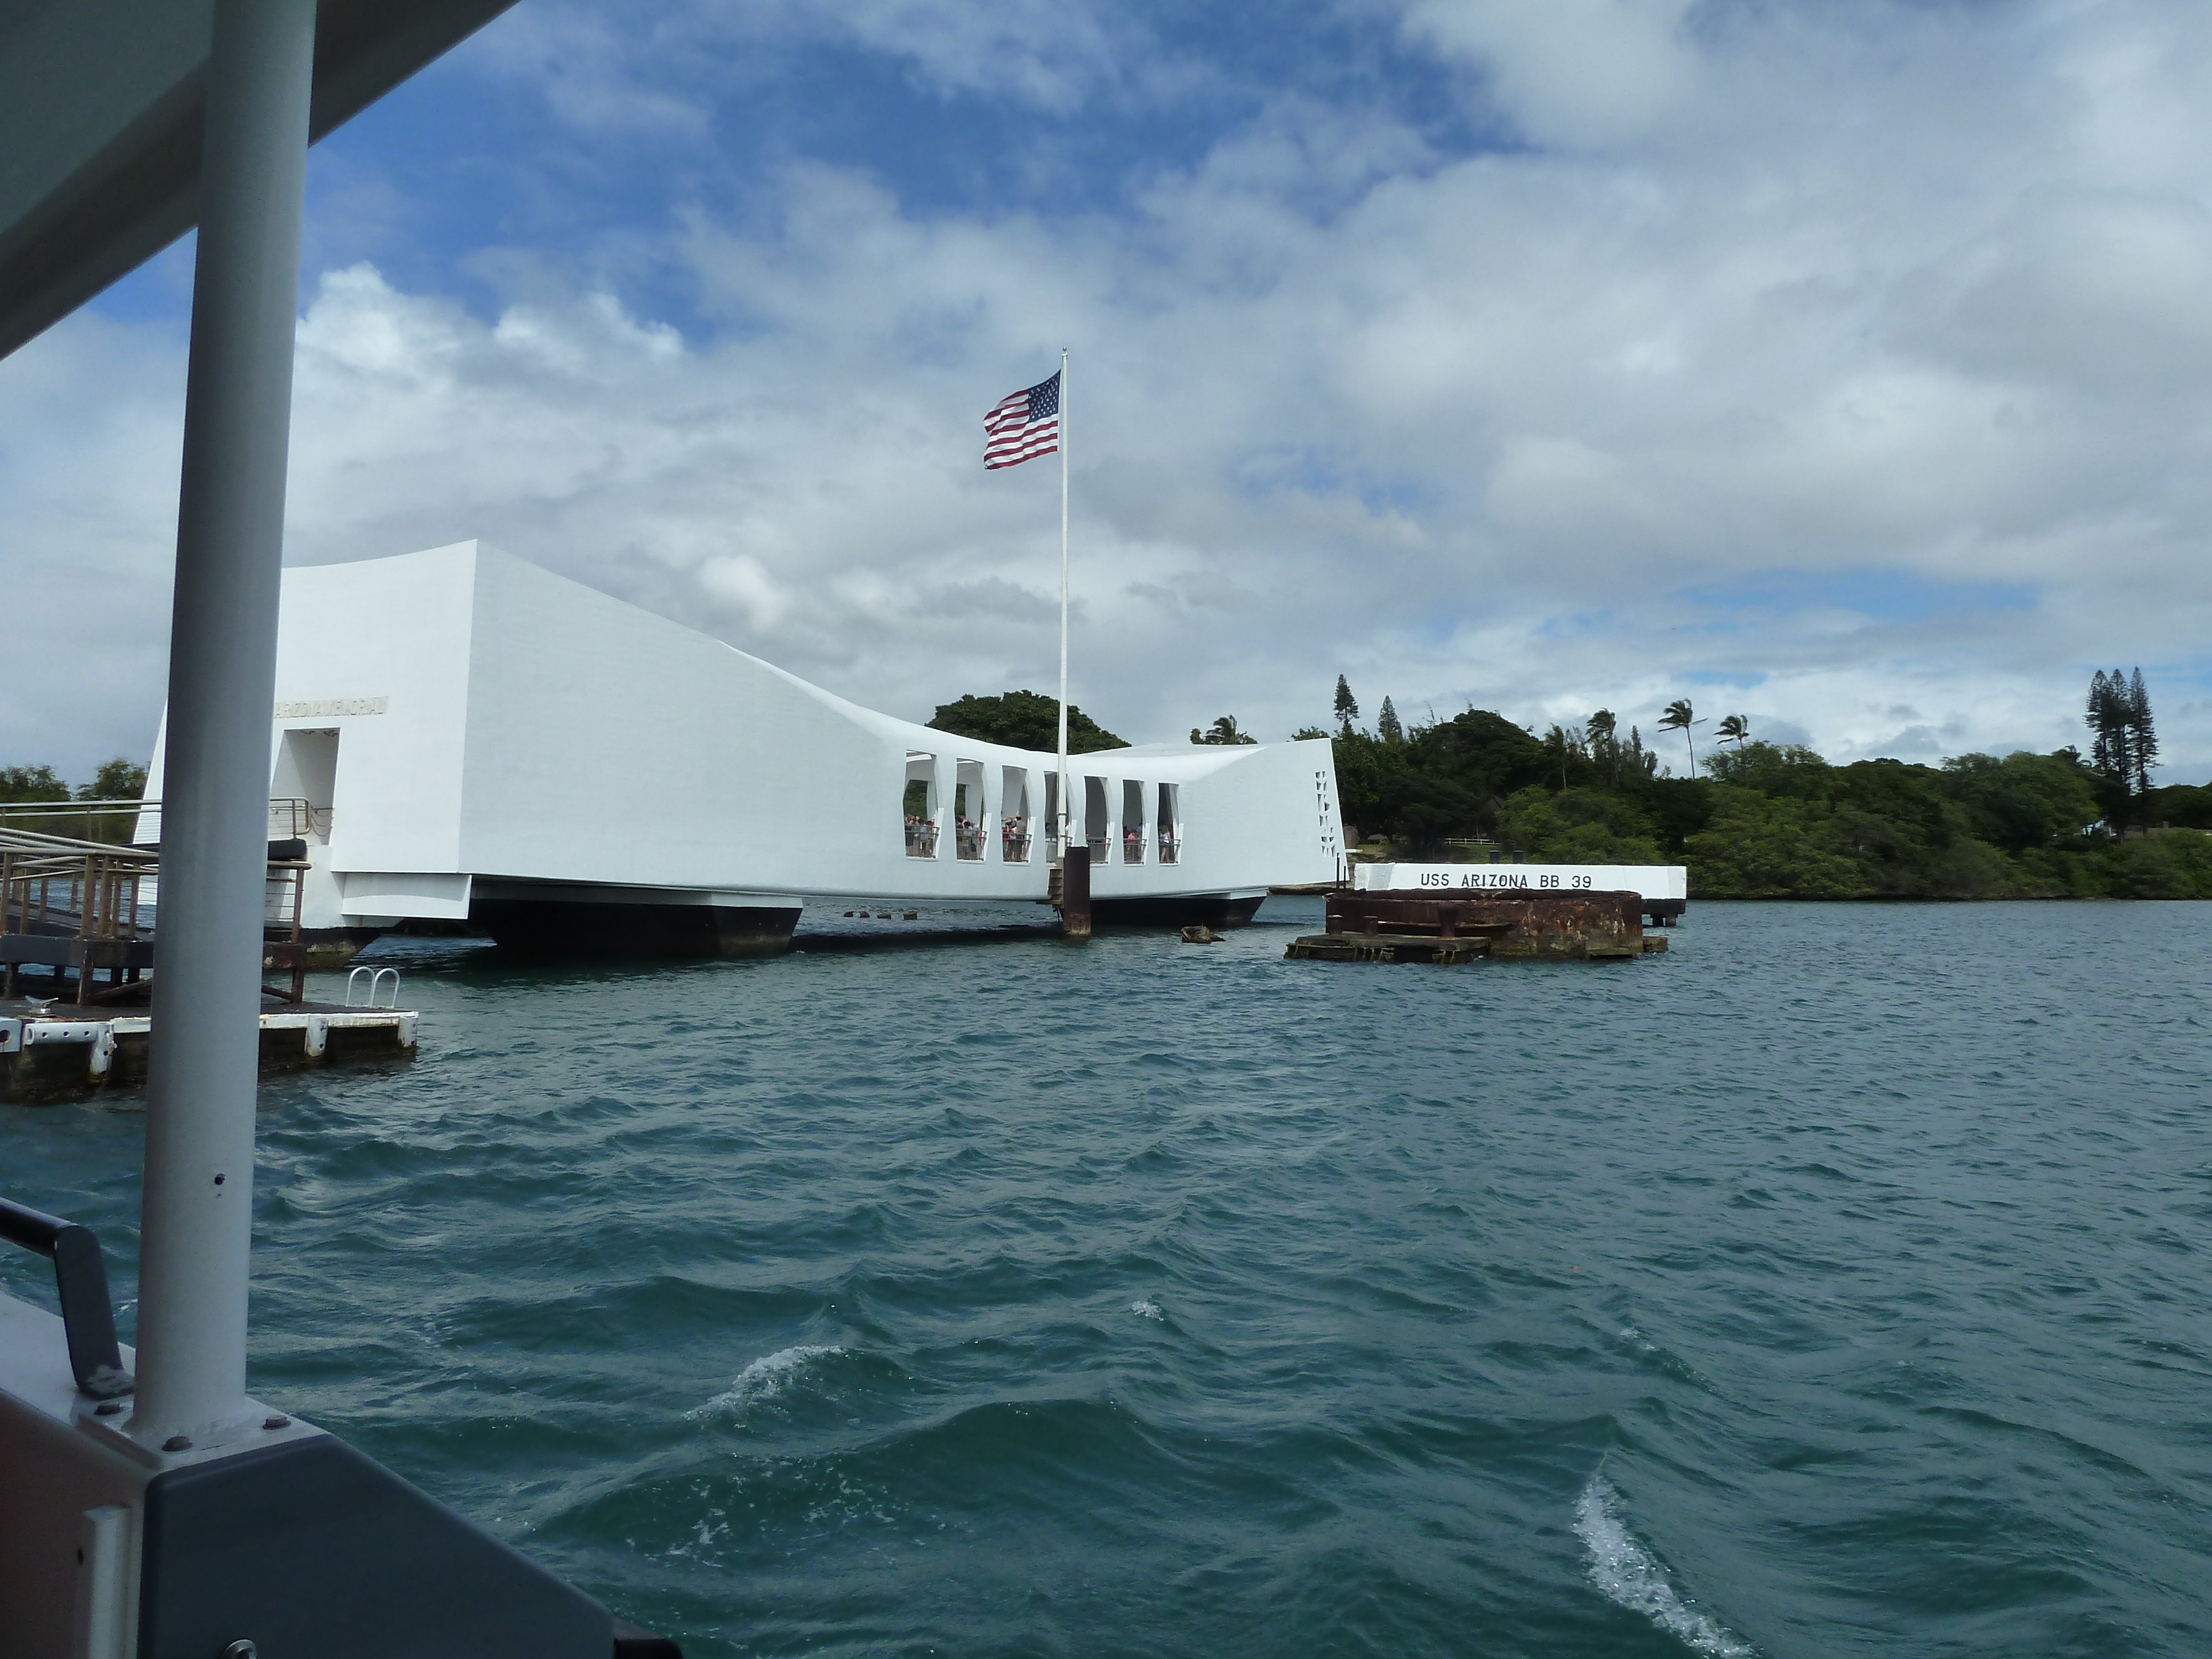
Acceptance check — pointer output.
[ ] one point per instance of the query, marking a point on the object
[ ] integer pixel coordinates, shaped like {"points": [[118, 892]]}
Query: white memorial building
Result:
{"points": [[473, 738]]}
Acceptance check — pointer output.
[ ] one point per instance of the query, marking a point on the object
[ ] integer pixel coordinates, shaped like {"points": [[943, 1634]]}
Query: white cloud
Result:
{"points": [[1574, 72], [89, 451], [596, 75], [610, 73], [2099, 291], [1898, 304], [742, 581]]}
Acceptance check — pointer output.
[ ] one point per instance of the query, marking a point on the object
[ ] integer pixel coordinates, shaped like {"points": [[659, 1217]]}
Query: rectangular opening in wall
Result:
{"points": [[1094, 818], [303, 787], [1053, 830], [1014, 825], [1132, 823], [920, 805], [968, 809], [1169, 823]]}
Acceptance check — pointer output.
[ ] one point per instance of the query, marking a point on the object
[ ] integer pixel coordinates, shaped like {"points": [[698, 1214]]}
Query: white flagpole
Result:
{"points": [[1066, 816]]}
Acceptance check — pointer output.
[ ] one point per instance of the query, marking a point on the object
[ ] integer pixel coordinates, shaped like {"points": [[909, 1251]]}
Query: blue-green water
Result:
{"points": [[1834, 1284]]}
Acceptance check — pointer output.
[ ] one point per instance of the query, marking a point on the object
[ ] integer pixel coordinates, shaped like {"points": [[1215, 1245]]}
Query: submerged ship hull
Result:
{"points": [[553, 928]]}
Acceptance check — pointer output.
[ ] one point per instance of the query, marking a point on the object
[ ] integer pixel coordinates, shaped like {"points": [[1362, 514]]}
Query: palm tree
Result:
{"points": [[1679, 717], [1562, 744], [1223, 731], [1604, 745], [1733, 728]]}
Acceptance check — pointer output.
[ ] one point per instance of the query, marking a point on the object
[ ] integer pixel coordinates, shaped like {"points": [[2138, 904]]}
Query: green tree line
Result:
{"points": [[119, 779], [38, 785], [1767, 820]]}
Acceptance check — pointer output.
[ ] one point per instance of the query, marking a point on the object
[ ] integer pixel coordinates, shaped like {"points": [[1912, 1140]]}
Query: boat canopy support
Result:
{"points": [[203, 1523], [198, 1204]]}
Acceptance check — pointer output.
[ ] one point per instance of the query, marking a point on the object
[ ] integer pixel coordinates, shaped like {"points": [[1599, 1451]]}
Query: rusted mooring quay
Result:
{"points": [[1384, 926]]}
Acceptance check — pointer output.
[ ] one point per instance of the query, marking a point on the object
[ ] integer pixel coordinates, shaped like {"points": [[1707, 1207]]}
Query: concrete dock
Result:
{"points": [[54, 1052]]}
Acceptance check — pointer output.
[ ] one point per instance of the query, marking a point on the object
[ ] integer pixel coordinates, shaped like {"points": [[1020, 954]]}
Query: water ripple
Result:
{"points": [[1004, 1299], [1624, 1571]]}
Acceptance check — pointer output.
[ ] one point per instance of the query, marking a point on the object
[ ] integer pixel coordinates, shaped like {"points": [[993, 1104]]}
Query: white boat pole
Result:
{"points": [[198, 1204], [1065, 816]]}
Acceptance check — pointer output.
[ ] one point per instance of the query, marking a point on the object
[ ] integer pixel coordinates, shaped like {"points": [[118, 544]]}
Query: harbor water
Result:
{"points": [[1835, 1283]]}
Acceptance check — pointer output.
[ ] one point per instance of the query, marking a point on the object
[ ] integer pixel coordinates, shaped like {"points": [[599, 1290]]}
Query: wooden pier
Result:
{"points": [[77, 909], [77, 996]]}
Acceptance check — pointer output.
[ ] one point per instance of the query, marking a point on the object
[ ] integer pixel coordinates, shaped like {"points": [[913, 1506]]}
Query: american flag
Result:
{"points": [[1024, 425]]}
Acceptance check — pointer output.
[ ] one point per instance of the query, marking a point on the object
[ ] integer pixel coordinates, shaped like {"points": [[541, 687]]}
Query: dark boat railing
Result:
{"points": [[80, 1281]]}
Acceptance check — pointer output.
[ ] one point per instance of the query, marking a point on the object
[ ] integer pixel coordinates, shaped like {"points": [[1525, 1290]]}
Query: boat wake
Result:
{"points": [[763, 1379], [1625, 1571]]}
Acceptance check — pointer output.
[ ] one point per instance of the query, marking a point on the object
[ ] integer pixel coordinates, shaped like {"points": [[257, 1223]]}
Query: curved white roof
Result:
{"points": [[483, 719]]}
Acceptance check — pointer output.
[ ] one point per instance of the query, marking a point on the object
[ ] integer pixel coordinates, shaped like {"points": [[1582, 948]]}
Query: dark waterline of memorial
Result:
{"points": [[1835, 1283]]}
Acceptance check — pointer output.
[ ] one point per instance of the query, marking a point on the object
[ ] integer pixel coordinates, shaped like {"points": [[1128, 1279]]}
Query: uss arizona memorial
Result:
{"points": [[468, 736]]}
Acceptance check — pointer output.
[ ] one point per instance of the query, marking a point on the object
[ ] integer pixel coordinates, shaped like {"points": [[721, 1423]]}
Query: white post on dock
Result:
{"points": [[198, 1203], [1064, 816]]}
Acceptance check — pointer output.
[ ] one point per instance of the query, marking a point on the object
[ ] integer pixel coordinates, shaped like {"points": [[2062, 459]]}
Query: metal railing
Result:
{"points": [[125, 822], [1132, 846], [59, 886], [73, 904], [282, 951], [280, 900], [922, 840], [968, 841], [1013, 846], [377, 978], [106, 823], [90, 906], [1170, 848], [293, 818]]}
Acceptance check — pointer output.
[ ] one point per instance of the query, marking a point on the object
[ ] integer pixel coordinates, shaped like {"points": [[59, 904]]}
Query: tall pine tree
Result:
{"points": [[1347, 705], [1388, 727], [2126, 746], [2107, 718], [2144, 733]]}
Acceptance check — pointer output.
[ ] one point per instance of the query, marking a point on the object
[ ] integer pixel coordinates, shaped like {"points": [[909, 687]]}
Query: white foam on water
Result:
{"points": [[1624, 1570], [763, 1379], [1147, 1310]]}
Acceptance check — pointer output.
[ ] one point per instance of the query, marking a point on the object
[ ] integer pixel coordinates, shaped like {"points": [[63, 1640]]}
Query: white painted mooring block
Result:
{"points": [[62, 1030]]}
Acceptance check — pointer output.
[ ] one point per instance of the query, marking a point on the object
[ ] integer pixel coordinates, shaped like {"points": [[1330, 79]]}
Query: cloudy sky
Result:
{"points": [[1844, 363]]}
